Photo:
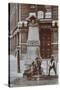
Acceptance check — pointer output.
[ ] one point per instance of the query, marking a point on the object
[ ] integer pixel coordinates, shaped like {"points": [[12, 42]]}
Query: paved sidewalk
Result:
{"points": [[47, 80]]}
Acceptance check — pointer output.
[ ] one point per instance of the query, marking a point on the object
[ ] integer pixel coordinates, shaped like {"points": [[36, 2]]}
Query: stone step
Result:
{"points": [[43, 77]]}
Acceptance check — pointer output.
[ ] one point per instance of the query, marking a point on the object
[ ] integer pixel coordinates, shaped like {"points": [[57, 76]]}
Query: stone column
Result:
{"points": [[33, 42]]}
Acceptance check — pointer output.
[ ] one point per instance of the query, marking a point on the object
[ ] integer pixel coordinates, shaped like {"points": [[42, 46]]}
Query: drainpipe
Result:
{"points": [[18, 56]]}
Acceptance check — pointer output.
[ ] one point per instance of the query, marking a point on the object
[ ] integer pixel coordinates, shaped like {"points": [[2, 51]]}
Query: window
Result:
{"points": [[48, 15], [40, 14], [25, 23], [20, 24], [32, 14]]}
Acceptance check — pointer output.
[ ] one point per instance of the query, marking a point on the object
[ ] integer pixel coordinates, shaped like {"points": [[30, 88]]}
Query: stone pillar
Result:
{"points": [[33, 42]]}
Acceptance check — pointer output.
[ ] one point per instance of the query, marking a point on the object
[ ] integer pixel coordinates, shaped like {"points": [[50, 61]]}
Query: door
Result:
{"points": [[45, 43]]}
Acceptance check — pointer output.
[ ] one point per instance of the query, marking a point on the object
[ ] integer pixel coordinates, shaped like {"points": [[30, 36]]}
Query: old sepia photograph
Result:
{"points": [[33, 45]]}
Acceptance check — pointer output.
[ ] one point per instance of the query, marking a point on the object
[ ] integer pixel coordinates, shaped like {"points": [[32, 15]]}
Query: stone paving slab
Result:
{"points": [[24, 82]]}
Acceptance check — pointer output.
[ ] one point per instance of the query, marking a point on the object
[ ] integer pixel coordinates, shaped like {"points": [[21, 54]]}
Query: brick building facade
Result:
{"points": [[47, 19]]}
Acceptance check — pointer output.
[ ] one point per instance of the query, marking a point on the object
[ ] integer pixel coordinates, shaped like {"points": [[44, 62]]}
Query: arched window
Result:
{"points": [[40, 14]]}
